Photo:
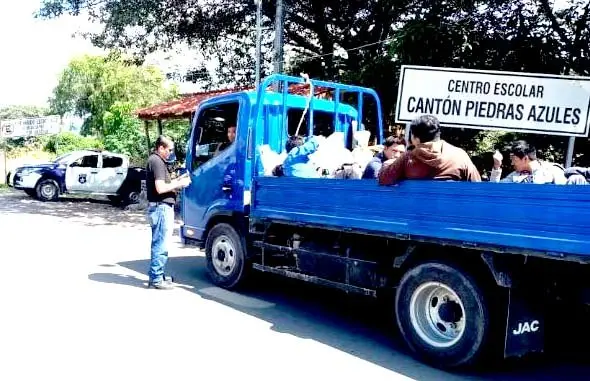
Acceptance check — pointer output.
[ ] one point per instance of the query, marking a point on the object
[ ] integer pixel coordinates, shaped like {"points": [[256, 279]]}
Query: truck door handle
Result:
{"points": [[95, 172], [226, 188]]}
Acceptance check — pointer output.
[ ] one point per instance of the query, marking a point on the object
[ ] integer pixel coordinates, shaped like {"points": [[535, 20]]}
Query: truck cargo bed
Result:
{"points": [[551, 220]]}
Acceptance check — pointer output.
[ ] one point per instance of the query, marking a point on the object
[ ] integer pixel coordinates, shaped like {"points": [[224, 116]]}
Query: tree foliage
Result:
{"points": [[123, 132], [65, 142], [22, 111], [90, 85], [363, 42], [509, 35]]}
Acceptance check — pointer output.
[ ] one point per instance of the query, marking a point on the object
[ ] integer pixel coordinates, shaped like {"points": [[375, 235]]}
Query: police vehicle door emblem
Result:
{"points": [[82, 178]]}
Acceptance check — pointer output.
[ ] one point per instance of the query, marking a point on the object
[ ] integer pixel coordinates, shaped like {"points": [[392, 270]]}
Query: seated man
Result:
{"points": [[577, 176], [393, 149], [527, 169], [431, 158], [231, 137], [297, 162]]}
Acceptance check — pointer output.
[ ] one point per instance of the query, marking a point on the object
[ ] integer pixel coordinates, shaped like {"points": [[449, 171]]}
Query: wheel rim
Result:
{"points": [[48, 190], [223, 254], [134, 198], [437, 314]]}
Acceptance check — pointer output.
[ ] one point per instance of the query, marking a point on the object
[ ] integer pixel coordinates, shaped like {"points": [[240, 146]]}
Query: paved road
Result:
{"points": [[74, 306]]}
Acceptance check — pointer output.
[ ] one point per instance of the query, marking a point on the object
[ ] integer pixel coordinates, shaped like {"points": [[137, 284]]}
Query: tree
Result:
{"points": [[375, 37], [65, 142], [90, 85], [22, 111], [123, 132], [311, 27]]}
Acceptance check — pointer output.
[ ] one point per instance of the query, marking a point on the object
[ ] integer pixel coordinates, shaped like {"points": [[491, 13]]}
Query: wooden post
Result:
{"points": [[160, 129], [146, 126], [3, 164]]}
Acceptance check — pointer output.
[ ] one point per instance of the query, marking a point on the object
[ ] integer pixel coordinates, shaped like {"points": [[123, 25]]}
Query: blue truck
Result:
{"points": [[470, 269]]}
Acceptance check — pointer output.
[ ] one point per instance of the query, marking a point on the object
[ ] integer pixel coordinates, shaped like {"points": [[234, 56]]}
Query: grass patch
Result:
{"points": [[4, 188]]}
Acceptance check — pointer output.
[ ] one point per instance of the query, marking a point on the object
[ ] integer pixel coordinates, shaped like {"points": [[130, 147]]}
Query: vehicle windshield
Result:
{"points": [[63, 159]]}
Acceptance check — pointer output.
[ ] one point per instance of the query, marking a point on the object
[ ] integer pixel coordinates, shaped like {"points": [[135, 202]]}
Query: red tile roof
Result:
{"points": [[182, 107], [187, 104]]}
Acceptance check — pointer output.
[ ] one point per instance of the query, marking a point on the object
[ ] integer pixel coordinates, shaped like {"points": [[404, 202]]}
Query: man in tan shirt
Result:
{"points": [[431, 158]]}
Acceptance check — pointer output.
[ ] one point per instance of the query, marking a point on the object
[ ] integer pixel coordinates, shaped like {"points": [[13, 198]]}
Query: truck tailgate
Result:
{"points": [[553, 219]]}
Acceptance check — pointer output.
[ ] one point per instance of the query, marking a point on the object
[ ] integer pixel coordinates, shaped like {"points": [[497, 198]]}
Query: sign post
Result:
{"points": [[570, 151], [484, 99]]}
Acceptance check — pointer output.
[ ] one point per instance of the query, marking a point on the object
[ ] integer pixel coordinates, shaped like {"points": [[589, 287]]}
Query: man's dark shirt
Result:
{"points": [[157, 170], [372, 169]]}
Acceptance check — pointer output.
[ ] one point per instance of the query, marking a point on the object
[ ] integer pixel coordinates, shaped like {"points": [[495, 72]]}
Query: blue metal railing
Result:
{"points": [[283, 81]]}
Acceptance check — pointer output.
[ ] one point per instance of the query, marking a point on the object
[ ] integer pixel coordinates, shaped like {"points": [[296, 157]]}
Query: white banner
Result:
{"points": [[17, 128], [483, 99]]}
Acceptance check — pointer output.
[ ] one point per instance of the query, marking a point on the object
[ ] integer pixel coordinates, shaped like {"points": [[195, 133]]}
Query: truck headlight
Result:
{"points": [[26, 171]]}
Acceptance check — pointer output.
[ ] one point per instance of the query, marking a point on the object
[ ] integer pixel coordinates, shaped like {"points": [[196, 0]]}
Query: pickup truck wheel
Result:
{"points": [[47, 190], [226, 258], [442, 315], [133, 197]]}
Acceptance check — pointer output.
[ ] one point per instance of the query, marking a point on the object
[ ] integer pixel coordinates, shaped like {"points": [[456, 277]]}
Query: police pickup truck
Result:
{"points": [[87, 172]]}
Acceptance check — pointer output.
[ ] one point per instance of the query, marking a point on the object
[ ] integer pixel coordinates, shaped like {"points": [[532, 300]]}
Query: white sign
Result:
{"points": [[482, 99], [16, 128]]}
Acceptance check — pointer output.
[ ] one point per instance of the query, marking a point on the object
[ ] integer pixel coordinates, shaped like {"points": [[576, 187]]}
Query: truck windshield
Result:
{"points": [[63, 159]]}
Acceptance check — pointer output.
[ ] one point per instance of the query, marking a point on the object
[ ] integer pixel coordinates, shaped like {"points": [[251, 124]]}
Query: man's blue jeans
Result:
{"points": [[161, 217]]}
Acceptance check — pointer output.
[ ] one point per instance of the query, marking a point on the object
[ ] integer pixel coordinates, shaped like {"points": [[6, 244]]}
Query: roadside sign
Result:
{"points": [[17, 128], [502, 100]]}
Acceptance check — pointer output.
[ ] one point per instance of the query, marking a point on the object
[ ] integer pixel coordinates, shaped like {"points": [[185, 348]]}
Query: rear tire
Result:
{"points": [[226, 256], [442, 315], [47, 190]]}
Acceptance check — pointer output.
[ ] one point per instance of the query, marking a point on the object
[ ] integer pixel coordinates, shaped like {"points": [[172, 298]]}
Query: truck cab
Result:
{"points": [[222, 178]]}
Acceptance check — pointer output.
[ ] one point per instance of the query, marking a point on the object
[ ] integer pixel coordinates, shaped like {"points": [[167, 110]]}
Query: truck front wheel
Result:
{"points": [[226, 257], [442, 315]]}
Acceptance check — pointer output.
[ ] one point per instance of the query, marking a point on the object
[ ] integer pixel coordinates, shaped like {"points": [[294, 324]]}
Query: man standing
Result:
{"points": [[161, 195], [431, 158]]}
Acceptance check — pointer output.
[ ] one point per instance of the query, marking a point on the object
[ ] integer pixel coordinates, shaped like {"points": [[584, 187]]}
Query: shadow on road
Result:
{"points": [[358, 326], [89, 212]]}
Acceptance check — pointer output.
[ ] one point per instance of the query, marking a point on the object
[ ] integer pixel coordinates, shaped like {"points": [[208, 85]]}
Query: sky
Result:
{"points": [[35, 51]]}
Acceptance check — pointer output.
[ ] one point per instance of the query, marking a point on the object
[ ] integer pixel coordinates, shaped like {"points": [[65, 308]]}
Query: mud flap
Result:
{"points": [[525, 323]]}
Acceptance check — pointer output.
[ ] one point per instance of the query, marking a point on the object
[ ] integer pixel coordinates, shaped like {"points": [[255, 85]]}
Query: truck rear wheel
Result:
{"points": [[442, 315], [226, 256]]}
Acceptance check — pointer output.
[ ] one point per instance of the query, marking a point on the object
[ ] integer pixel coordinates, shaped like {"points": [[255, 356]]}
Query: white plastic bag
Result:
{"points": [[331, 154], [361, 154], [269, 159]]}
